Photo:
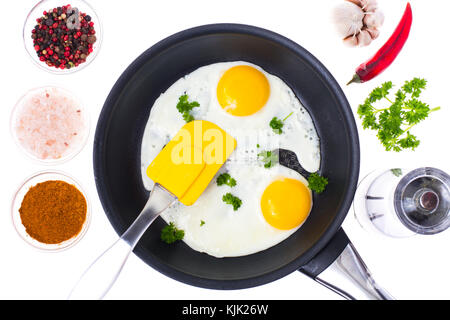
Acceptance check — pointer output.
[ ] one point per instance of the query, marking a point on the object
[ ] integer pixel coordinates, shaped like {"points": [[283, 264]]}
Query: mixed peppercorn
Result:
{"points": [[60, 40]]}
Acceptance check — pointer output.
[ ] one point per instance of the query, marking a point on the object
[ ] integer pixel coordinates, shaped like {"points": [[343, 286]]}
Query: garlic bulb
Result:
{"points": [[357, 21]]}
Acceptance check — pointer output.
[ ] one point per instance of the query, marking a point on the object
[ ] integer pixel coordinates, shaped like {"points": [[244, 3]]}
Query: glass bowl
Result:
{"points": [[37, 12], [17, 202], [78, 142]]}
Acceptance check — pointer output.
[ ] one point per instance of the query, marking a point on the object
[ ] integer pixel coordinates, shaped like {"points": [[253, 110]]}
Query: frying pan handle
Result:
{"points": [[340, 268], [99, 277]]}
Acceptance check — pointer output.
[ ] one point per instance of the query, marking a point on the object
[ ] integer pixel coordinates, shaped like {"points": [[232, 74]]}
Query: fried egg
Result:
{"points": [[264, 219], [242, 99]]}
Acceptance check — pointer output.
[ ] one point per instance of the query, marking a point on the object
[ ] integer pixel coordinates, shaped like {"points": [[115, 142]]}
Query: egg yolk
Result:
{"points": [[286, 203], [243, 90]]}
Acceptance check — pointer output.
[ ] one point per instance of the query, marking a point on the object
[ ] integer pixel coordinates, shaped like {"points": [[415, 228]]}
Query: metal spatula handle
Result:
{"points": [[100, 276]]}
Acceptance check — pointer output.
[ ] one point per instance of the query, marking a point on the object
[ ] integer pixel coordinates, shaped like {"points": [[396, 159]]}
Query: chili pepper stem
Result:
{"points": [[355, 79]]}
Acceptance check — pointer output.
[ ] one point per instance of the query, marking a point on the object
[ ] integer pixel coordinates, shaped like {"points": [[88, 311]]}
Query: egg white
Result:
{"points": [[227, 232]]}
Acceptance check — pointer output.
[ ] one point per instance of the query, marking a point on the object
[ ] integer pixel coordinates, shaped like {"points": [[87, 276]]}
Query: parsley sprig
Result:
{"points": [[225, 178], [317, 183], [394, 123], [170, 233], [228, 198], [277, 124], [185, 107]]}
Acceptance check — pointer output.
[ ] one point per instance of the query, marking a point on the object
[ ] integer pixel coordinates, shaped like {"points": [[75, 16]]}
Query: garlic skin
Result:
{"points": [[357, 21]]}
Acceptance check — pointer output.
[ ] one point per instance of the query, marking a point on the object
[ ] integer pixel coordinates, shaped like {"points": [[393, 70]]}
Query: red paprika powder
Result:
{"points": [[53, 211]]}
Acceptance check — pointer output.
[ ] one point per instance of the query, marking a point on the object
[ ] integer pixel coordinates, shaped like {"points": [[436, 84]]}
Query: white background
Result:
{"points": [[413, 268]]}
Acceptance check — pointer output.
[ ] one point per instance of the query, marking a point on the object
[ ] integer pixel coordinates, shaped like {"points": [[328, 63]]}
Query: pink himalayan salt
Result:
{"points": [[49, 123]]}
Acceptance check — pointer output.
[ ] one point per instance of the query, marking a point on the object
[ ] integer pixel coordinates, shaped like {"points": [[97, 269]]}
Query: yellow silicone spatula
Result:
{"points": [[181, 171]]}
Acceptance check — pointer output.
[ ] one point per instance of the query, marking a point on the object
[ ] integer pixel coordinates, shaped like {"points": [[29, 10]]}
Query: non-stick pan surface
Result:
{"points": [[123, 119]]}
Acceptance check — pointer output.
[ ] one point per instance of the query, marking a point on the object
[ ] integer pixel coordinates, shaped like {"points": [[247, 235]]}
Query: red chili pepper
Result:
{"points": [[388, 52]]}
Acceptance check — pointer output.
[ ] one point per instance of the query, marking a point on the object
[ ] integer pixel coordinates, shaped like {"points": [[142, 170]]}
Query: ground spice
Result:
{"points": [[53, 211]]}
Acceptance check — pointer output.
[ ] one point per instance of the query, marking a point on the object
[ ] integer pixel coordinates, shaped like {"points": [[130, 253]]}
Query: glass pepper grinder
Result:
{"points": [[401, 203]]}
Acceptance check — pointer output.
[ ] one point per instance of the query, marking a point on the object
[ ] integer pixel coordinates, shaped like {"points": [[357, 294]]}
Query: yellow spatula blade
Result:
{"points": [[187, 164]]}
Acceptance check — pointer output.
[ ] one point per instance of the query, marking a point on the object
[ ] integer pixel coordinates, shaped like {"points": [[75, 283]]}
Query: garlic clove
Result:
{"points": [[348, 19], [374, 20], [364, 38], [357, 2], [374, 32], [351, 41], [369, 5]]}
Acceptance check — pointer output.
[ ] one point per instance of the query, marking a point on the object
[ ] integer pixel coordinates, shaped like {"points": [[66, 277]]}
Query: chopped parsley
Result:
{"points": [[234, 201], [317, 183], [202, 223], [225, 178], [269, 158], [185, 107], [170, 233], [277, 124], [394, 122]]}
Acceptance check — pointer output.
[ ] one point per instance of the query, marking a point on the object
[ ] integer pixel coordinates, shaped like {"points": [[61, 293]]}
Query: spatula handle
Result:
{"points": [[100, 276]]}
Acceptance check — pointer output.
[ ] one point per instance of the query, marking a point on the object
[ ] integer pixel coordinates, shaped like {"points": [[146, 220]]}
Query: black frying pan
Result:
{"points": [[121, 125]]}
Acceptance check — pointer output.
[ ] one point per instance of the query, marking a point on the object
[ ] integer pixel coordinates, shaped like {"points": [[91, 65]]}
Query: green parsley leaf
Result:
{"points": [[394, 122], [202, 223], [397, 172], [188, 117], [317, 183], [380, 92], [415, 87], [170, 234], [185, 107], [228, 198], [269, 158], [409, 142], [225, 178], [417, 111], [277, 124]]}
